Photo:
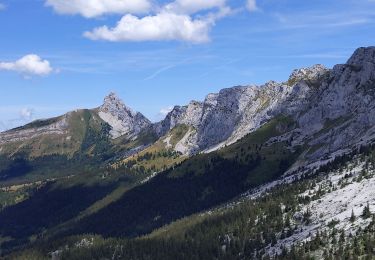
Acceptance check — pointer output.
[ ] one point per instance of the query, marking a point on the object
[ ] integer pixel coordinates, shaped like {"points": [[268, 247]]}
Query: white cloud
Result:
{"points": [[162, 113], [28, 65], [193, 6], [15, 116], [2, 6], [165, 111], [93, 8], [183, 20], [26, 113], [251, 5], [162, 26]]}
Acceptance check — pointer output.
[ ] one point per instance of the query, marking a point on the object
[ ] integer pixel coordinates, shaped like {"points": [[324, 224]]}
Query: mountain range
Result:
{"points": [[187, 187]]}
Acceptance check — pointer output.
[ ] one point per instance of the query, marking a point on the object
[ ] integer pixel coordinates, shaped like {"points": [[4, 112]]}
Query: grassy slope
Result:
{"points": [[196, 184], [64, 188], [56, 205], [200, 236], [51, 156], [238, 232], [80, 123], [158, 156]]}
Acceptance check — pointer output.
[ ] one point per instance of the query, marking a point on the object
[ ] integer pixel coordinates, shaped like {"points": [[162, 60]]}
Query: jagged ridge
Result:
{"points": [[327, 104]]}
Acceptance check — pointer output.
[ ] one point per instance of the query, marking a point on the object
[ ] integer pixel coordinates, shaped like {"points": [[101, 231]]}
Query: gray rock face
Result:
{"points": [[333, 108], [214, 119], [344, 104], [123, 120], [227, 116], [57, 128]]}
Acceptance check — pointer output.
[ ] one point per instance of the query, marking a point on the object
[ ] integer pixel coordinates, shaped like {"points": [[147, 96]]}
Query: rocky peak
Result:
{"points": [[114, 105], [359, 69], [122, 119], [170, 121], [312, 73], [362, 55]]}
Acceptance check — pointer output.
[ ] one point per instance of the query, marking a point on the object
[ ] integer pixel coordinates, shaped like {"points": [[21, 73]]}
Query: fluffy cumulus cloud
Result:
{"points": [[28, 65], [174, 21], [181, 20], [93, 8], [252, 5], [162, 26]]}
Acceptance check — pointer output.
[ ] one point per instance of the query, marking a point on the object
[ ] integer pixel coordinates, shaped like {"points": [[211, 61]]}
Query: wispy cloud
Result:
{"points": [[323, 19], [251, 5], [104, 63], [2, 6], [156, 73], [223, 65], [168, 67]]}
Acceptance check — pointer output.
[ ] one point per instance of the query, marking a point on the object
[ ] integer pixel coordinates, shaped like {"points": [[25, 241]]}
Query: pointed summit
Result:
{"points": [[112, 97], [359, 70], [122, 119], [113, 104], [362, 55]]}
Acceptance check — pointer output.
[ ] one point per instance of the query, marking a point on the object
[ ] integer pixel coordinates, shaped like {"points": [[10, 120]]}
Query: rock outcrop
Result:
{"points": [[57, 126], [333, 109], [123, 120]]}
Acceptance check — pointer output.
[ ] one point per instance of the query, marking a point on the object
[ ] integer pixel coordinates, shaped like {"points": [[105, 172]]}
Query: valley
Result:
{"points": [[281, 170]]}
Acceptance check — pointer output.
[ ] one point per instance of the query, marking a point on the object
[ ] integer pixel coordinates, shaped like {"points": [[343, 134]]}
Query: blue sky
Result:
{"points": [[162, 53]]}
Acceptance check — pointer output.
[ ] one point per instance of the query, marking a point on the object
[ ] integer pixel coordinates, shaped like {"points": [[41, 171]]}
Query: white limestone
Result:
{"points": [[334, 109], [123, 120]]}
